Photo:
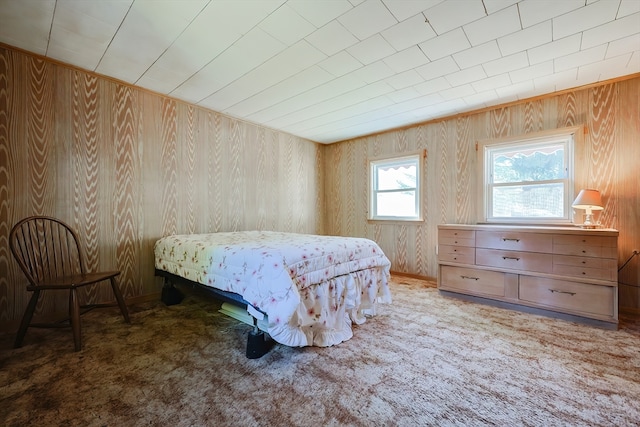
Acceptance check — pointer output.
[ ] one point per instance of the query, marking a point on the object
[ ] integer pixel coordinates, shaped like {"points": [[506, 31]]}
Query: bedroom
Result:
{"points": [[127, 165]]}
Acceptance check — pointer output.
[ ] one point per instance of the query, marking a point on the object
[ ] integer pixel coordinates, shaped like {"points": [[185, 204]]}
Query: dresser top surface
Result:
{"points": [[532, 229]]}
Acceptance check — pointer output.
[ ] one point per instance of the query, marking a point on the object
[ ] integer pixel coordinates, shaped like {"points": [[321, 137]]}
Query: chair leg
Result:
{"points": [[74, 317], [120, 299], [26, 319]]}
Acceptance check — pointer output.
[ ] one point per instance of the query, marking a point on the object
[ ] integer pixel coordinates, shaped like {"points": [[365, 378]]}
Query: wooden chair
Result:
{"points": [[48, 252]]}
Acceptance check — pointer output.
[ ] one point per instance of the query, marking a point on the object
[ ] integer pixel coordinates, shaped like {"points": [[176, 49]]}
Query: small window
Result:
{"points": [[528, 180], [396, 188]]}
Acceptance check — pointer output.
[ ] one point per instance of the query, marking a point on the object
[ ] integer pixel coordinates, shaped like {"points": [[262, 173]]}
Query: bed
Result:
{"points": [[307, 289]]}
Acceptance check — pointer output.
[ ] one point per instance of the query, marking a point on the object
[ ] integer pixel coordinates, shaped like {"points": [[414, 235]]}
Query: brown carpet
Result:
{"points": [[424, 360]]}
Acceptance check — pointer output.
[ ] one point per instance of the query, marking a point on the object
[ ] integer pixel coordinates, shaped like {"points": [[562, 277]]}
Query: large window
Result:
{"points": [[528, 179], [396, 188]]}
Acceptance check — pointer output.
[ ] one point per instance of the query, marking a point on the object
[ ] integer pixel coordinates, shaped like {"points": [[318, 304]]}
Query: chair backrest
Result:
{"points": [[45, 248]]}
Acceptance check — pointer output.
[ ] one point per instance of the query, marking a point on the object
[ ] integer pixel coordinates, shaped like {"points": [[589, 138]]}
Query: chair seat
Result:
{"points": [[75, 281]]}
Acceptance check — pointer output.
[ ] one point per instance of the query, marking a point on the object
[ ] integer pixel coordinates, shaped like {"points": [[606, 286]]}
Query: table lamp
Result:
{"points": [[590, 201]]}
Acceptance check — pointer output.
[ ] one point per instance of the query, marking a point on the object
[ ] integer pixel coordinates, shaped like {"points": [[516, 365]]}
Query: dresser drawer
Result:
{"points": [[584, 272], [529, 261], [591, 246], [587, 267], [457, 237], [469, 280], [561, 294], [514, 240], [461, 254]]}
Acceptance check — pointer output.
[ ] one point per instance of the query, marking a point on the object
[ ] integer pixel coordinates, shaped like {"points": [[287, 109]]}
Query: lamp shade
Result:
{"points": [[588, 199]]}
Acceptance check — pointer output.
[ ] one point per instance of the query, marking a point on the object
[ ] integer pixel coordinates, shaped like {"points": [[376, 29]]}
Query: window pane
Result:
{"points": [[396, 177], [539, 201], [525, 165], [401, 203]]}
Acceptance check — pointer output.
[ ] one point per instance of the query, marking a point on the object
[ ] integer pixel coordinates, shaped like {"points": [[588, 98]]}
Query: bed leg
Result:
{"points": [[170, 294], [258, 344]]}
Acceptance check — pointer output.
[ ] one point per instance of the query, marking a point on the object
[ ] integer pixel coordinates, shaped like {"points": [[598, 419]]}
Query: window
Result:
{"points": [[395, 188], [528, 180]]}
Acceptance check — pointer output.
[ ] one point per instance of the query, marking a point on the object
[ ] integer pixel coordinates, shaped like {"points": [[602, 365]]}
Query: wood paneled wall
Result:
{"points": [[609, 160], [124, 167]]}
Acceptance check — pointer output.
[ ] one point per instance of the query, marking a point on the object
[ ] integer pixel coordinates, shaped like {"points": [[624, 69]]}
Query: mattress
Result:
{"points": [[312, 288]]}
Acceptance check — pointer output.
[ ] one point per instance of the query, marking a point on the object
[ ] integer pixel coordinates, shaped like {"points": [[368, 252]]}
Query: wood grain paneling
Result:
{"points": [[125, 167], [6, 291]]}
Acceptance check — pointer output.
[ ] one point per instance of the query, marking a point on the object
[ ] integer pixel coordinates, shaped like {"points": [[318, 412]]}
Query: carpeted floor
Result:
{"points": [[424, 360]]}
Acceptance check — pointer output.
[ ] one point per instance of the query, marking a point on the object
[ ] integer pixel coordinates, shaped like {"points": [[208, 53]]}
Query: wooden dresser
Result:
{"points": [[568, 272]]}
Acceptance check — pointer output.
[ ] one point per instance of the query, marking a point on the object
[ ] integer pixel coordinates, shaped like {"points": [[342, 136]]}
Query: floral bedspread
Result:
{"points": [[312, 288]]}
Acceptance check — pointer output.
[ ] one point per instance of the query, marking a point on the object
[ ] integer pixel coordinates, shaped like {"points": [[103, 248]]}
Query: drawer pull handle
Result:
{"points": [[511, 257], [505, 239], [469, 277], [555, 291]]}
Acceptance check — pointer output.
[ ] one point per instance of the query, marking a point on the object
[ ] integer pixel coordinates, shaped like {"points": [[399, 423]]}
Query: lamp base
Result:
{"points": [[588, 222], [588, 226]]}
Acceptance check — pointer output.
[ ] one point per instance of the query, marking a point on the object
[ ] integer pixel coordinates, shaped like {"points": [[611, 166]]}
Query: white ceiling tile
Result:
{"points": [[250, 51], [493, 6], [286, 64], [533, 12], [433, 86], [368, 18], [406, 8], [516, 89], [81, 30], [147, 31], [628, 7], [445, 45], [286, 25], [408, 33], [526, 39], [199, 85], [303, 81], [491, 27], [466, 76], [334, 116], [607, 69], [482, 99], [634, 63], [331, 104], [407, 59], [506, 64], [332, 38], [611, 31], [405, 79], [373, 72], [340, 64], [532, 72], [477, 55], [26, 24], [584, 18], [403, 94], [320, 93], [555, 49], [438, 68], [216, 28], [448, 15], [565, 78], [491, 83], [449, 107], [320, 12], [581, 58], [371, 49], [622, 46]]}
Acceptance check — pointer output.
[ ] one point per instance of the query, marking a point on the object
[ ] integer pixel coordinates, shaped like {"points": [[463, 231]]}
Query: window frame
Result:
{"points": [[418, 158], [569, 136]]}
